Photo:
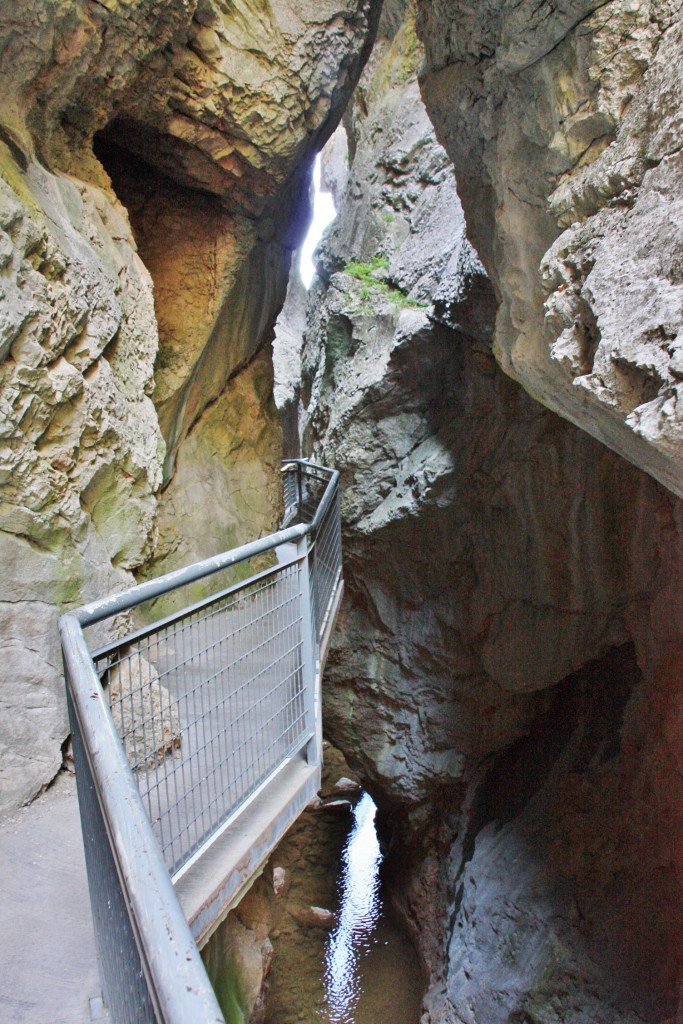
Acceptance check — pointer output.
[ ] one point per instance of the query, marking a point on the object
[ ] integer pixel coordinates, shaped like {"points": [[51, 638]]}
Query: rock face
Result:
{"points": [[153, 180], [226, 486], [238, 959], [564, 126], [289, 334], [136, 696], [560, 900], [81, 452], [505, 676]]}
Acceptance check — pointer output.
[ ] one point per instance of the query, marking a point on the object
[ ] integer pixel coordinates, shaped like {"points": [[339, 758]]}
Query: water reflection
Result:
{"points": [[359, 911]]}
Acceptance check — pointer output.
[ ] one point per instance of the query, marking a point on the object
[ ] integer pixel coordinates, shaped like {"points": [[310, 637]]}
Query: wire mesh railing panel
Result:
{"points": [[327, 565], [124, 985], [304, 485], [291, 476], [209, 704], [314, 481]]}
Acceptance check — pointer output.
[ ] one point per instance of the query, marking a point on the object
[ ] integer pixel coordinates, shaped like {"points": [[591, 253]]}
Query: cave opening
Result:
{"points": [[184, 236]]}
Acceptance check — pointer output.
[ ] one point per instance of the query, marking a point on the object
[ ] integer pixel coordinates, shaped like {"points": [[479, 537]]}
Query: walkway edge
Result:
{"points": [[212, 886]]}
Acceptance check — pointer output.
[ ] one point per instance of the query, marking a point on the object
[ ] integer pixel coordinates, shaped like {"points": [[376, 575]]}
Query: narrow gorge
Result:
{"points": [[491, 354]]}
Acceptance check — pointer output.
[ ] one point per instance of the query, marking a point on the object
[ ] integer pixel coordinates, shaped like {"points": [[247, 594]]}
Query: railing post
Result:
{"points": [[309, 655], [299, 489]]}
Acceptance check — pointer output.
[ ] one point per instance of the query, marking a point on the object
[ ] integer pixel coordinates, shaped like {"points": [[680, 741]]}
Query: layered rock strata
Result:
{"points": [[82, 451], [153, 181], [506, 674]]}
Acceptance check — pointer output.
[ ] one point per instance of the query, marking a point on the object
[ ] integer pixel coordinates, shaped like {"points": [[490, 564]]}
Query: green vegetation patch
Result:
{"points": [[364, 272]]}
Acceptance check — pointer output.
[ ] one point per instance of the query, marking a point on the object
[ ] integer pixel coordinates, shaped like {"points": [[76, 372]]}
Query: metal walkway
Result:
{"points": [[197, 742]]}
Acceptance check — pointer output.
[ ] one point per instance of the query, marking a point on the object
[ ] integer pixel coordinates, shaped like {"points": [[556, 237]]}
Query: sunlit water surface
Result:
{"points": [[359, 911], [365, 970]]}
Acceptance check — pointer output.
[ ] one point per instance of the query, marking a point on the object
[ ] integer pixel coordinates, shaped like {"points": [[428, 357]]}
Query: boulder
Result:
{"points": [[144, 713]]}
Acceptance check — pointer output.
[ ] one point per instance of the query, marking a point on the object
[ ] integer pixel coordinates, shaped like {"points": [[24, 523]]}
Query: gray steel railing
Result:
{"points": [[304, 487], [178, 723]]}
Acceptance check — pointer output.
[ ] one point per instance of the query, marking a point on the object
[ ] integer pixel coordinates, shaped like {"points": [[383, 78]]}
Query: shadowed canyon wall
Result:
{"points": [[154, 162], [506, 676]]}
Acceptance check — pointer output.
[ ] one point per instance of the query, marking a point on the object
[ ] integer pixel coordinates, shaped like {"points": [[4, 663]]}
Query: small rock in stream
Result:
{"points": [[279, 881], [344, 785], [334, 805], [314, 917]]}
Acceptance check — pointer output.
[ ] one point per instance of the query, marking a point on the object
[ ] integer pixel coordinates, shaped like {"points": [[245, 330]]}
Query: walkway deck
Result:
{"points": [[48, 962], [218, 707]]}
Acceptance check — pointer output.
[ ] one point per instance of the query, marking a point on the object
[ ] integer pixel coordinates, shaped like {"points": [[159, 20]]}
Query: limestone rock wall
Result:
{"points": [[564, 125], [505, 677], [153, 182], [81, 448], [226, 485]]}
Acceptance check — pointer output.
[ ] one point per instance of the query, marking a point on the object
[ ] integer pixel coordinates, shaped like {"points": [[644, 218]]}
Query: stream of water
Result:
{"points": [[363, 971], [360, 907]]}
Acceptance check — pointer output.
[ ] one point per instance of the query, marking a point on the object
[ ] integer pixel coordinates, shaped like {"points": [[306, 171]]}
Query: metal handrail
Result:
{"points": [[163, 938], [150, 967], [169, 620], [115, 604]]}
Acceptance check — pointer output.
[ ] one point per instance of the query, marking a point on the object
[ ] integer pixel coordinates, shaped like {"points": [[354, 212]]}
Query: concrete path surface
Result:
{"points": [[48, 964]]}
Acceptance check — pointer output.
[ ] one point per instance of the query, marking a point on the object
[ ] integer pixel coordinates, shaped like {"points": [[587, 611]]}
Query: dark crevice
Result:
{"points": [[14, 148], [589, 336], [123, 148], [136, 181], [580, 728]]}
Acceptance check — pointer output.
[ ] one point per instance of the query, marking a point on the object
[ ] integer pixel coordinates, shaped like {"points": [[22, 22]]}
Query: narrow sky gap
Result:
{"points": [[323, 214]]}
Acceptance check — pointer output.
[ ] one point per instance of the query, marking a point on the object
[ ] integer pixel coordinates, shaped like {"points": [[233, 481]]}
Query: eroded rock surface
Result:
{"points": [[564, 125], [226, 483], [81, 452], [504, 676], [560, 898], [123, 338], [287, 344]]}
